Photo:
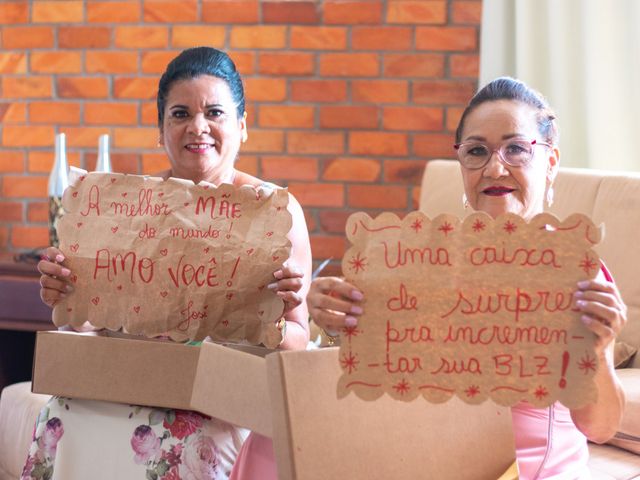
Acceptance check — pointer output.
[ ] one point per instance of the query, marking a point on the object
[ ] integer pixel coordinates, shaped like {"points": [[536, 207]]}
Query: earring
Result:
{"points": [[465, 201], [550, 196]]}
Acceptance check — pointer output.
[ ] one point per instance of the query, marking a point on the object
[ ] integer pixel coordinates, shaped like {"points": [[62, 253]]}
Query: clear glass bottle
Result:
{"points": [[103, 164], [58, 182]]}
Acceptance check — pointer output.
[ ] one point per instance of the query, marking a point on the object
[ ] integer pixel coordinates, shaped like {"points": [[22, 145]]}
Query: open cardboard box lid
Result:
{"points": [[289, 396]]}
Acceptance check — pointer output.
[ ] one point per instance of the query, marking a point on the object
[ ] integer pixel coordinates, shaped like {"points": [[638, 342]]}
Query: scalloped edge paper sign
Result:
{"points": [[167, 257], [478, 308]]}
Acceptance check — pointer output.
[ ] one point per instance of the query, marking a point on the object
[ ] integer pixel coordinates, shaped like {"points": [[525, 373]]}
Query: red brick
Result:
{"points": [[12, 113], [38, 212], [26, 87], [4, 238], [348, 117], [56, 62], [258, 37], [349, 64], [144, 88], [82, 87], [41, 162], [326, 246], [154, 163], [319, 38], [453, 117], [24, 186], [433, 145], [446, 38], [27, 136], [11, 161], [442, 92], [184, 36], [377, 196], [415, 197], [247, 164], [111, 113], [27, 37], [14, 12], [84, 37], [310, 220], [353, 11], [333, 221], [318, 194], [23, 236], [294, 116], [318, 90], [289, 168], [412, 118], [284, 63], [104, 61], [352, 169], [465, 66], [140, 137], [265, 89], [143, 37], [380, 91], [264, 141], [170, 11], [13, 62], [417, 12], [58, 11], [378, 143], [413, 65], [157, 61], [403, 171], [54, 112], [127, 11], [149, 113], [120, 162], [290, 12], [466, 12], [315, 142], [245, 61], [381, 38], [231, 11], [84, 136], [11, 212]]}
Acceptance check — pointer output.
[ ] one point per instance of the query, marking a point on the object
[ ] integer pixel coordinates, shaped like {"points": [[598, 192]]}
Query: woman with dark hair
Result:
{"points": [[202, 125], [506, 143]]}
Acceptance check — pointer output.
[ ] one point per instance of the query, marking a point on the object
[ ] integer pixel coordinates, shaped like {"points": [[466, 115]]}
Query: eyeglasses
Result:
{"points": [[516, 153]]}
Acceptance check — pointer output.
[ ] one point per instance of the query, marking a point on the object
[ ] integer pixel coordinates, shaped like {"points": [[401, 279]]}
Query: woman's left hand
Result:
{"points": [[603, 310], [287, 285]]}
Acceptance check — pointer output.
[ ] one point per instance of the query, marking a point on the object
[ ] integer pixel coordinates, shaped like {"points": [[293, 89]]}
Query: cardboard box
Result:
{"points": [[289, 396]]}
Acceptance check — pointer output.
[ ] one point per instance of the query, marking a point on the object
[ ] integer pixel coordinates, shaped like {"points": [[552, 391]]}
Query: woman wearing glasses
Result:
{"points": [[506, 145]]}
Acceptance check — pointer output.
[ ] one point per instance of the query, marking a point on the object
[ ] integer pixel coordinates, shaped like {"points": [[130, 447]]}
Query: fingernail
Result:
{"points": [[356, 295], [356, 309], [69, 288], [583, 284], [581, 303], [65, 272], [586, 320], [272, 286], [350, 321], [59, 258], [579, 294], [278, 274]]}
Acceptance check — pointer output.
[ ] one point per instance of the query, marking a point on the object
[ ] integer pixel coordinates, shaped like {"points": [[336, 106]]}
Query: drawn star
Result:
{"points": [[540, 392], [510, 227], [351, 332], [349, 362], [402, 387], [445, 228], [587, 264], [357, 263], [417, 225], [472, 391], [587, 364], [478, 225]]}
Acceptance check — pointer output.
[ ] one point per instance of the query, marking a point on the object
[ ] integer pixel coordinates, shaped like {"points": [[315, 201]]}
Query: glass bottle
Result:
{"points": [[58, 182], [103, 163]]}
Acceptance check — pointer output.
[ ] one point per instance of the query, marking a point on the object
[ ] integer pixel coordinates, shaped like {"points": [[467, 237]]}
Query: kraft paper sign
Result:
{"points": [[158, 257], [479, 308]]}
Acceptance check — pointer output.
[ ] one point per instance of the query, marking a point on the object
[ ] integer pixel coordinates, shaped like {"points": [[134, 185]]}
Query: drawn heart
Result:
{"points": [[206, 250], [74, 247], [124, 194], [205, 307], [79, 224], [229, 296], [69, 309], [269, 234], [114, 229], [260, 287], [82, 178], [275, 257], [225, 323], [74, 278], [163, 252], [226, 195], [250, 251], [161, 194], [261, 312], [164, 294], [136, 309], [74, 194], [113, 180], [119, 287], [206, 187], [186, 204], [95, 300]]}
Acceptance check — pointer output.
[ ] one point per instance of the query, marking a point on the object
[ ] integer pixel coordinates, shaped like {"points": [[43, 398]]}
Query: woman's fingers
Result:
{"points": [[330, 320], [291, 300], [53, 283], [51, 296], [289, 277]]}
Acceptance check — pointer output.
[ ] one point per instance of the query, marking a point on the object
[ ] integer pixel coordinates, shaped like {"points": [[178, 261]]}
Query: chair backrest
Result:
{"points": [[611, 198]]}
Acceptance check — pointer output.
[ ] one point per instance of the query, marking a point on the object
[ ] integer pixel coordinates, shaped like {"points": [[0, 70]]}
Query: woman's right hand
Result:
{"points": [[334, 303], [55, 281]]}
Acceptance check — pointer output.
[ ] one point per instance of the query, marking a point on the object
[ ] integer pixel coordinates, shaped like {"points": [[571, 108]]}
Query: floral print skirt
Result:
{"points": [[86, 439]]}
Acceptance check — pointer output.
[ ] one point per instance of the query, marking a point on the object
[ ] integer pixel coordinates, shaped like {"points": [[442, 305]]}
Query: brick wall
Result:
{"points": [[346, 98]]}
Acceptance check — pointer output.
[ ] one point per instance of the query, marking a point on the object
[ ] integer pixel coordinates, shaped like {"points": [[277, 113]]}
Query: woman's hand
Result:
{"points": [[289, 281], [333, 303], [55, 279]]}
